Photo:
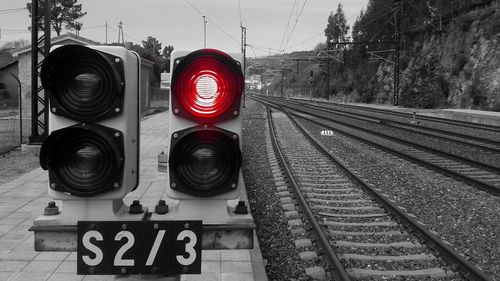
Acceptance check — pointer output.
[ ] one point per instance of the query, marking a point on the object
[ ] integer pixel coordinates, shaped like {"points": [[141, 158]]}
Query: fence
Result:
{"points": [[11, 133], [159, 98]]}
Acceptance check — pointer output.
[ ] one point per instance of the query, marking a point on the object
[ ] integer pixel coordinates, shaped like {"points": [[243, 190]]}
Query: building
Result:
{"points": [[9, 87]]}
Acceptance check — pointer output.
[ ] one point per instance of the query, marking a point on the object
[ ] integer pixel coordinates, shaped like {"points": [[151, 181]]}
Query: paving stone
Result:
{"points": [[7, 275], [211, 255], [316, 273], [30, 276], [235, 266], [41, 266], [205, 276], [65, 277], [52, 256], [67, 267], [210, 266], [4, 253], [7, 266], [235, 255], [308, 256], [20, 256], [236, 276]]}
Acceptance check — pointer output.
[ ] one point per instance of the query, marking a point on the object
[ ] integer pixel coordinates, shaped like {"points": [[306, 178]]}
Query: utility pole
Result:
{"points": [[120, 32], [204, 32], [397, 27], [39, 116], [328, 79], [106, 33], [244, 52], [282, 83]]}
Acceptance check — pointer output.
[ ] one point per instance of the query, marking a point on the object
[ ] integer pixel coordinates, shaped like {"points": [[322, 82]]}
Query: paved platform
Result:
{"points": [[23, 199], [469, 115]]}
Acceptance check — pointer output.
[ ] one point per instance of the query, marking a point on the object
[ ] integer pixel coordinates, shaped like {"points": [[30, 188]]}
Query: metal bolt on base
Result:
{"points": [[161, 208], [136, 208], [51, 209], [241, 208]]}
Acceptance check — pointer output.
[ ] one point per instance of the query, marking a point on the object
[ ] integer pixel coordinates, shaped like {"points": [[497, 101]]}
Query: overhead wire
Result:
{"points": [[288, 24], [296, 21], [10, 11], [211, 21]]}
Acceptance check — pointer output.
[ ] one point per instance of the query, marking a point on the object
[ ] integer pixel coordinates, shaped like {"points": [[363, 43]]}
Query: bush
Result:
{"points": [[429, 95]]}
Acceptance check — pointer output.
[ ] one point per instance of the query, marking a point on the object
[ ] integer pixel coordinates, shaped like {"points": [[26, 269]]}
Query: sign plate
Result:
{"points": [[139, 247]]}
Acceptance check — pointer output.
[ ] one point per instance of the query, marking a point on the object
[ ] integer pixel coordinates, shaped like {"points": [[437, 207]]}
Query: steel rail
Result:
{"points": [[463, 178], [477, 126], [467, 269], [414, 128], [338, 272], [457, 158]]}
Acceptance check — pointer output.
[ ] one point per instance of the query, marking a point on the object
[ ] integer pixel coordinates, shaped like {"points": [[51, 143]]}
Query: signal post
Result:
{"points": [[92, 158], [204, 147]]}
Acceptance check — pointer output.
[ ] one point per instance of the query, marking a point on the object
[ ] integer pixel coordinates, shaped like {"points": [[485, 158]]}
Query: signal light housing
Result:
{"points": [[85, 84], [84, 159], [206, 86], [204, 161], [93, 146], [205, 124]]}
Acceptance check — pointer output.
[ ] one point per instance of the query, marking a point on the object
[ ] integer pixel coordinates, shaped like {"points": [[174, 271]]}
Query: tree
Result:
{"points": [[62, 12], [12, 45], [337, 28], [153, 45], [167, 51]]}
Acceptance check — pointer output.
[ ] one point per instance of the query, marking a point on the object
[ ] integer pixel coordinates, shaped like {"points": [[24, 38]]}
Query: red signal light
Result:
{"points": [[207, 86]]}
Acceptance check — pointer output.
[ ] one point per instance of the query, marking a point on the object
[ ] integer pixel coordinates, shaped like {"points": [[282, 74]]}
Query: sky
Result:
{"points": [[269, 23]]}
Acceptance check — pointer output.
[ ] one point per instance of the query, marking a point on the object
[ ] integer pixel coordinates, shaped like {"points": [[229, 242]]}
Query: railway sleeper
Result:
{"points": [[434, 273], [403, 258]]}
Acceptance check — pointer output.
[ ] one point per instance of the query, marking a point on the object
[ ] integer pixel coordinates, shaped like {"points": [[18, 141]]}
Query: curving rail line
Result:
{"points": [[334, 197]]}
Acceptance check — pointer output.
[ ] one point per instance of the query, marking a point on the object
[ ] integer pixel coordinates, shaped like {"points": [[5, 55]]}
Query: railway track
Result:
{"points": [[478, 174], [489, 143], [475, 130], [362, 233]]}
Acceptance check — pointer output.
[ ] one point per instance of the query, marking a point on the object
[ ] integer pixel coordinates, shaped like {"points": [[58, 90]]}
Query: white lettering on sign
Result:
{"points": [[188, 248], [93, 248], [156, 246], [119, 261]]}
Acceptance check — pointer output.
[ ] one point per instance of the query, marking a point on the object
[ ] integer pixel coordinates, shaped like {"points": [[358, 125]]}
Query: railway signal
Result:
{"points": [[92, 151], [205, 124], [204, 154]]}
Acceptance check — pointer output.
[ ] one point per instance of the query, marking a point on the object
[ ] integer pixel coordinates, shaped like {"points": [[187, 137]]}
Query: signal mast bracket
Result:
{"points": [[57, 233]]}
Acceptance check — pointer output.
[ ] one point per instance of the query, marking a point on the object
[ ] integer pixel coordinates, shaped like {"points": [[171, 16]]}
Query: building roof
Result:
{"points": [[2, 66], [54, 40]]}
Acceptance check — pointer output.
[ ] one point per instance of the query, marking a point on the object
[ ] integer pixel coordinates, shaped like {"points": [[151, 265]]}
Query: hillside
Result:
{"points": [[453, 62]]}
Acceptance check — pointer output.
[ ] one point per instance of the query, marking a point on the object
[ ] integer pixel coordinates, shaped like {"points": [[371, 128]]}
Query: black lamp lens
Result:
{"points": [[83, 160], [205, 162], [86, 85]]}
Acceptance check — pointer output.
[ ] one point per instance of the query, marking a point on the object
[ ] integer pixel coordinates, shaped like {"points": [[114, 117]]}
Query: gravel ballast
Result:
{"points": [[462, 215], [273, 215]]}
